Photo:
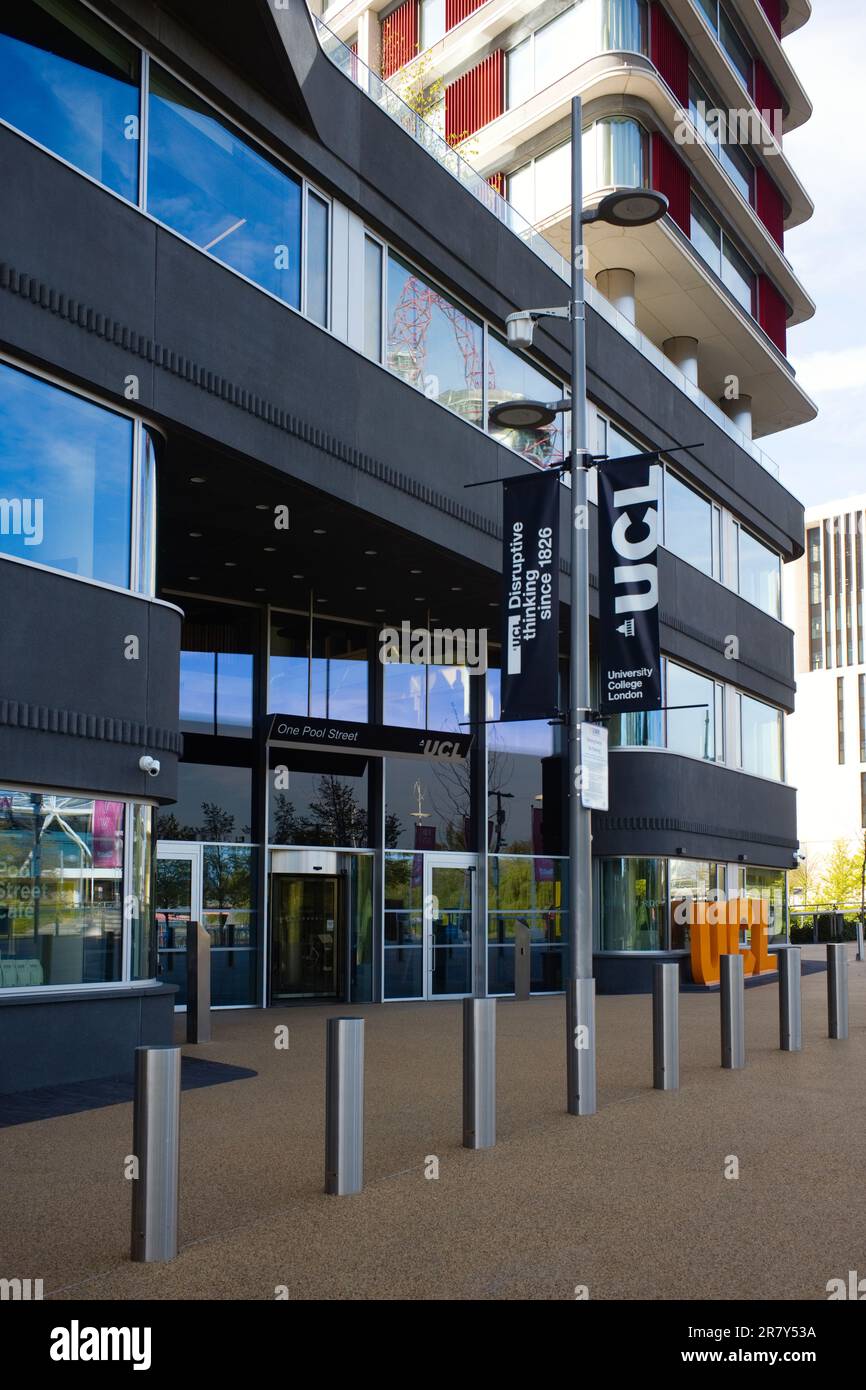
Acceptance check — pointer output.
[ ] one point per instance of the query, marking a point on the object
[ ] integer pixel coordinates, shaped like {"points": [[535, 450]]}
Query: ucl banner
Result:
{"points": [[629, 664], [530, 597]]}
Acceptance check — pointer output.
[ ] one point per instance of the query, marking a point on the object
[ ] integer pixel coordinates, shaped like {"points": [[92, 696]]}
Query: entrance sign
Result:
{"points": [[628, 586], [530, 597], [297, 731], [593, 765]]}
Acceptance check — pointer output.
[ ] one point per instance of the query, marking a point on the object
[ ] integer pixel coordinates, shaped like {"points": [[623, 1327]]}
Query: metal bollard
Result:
{"points": [[790, 999], [156, 1147], [581, 1080], [197, 983], [837, 989], [344, 1107], [859, 955], [666, 1026], [479, 1073], [733, 1006]]}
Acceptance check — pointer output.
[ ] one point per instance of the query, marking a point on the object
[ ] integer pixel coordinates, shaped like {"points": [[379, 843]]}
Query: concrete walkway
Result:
{"points": [[631, 1203]]}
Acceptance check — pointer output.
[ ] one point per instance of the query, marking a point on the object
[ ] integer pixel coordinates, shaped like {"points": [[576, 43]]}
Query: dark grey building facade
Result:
{"points": [[250, 330]]}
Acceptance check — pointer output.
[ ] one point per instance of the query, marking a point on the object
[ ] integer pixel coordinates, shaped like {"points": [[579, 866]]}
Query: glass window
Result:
{"points": [[624, 25], [688, 522], [228, 912], [558, 45], [143, 954], [218, 192], [373, 299], [761, 738], [771, 886], [521, 192], [66, 470], [511, 377], [334, 684], [691, 881], [633, 904], [432, 343], [316, 807], [552, 182], [621, 153], [317, 259], [61, 889], [711, 10], [216, 669], [432, 21], [737, 276], [706, 236], [214, 802], [72, 83], [691, 730], [427, 804], [404, 926], [518, 70], [525, 809], [738, 168], [526, 893], [760, 574], [735, 49]]}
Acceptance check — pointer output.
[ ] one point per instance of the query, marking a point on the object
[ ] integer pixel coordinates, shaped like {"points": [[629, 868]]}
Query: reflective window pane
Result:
{"points": [[688, 520], [220, 193], [690, 730], [633, 904], [621, 153], [216, 670], [308, 805], [213, 803], [623, 25], [761, 738], [433, 344], [66, 469], [737, 276], [318, 259], [706, 236], [760, 574], [71, 82], [519, 73], [432, 21], [373, 299], [735, 48], [511, 377], [61, 889]]}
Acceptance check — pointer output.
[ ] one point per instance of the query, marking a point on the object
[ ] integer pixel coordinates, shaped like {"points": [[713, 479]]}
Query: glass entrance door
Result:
{"points": [[178, 901], [307, 934], [449, 898]]}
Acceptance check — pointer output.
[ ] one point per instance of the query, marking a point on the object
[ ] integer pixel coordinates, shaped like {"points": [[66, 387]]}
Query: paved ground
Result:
{"points": [[632, 1203]]}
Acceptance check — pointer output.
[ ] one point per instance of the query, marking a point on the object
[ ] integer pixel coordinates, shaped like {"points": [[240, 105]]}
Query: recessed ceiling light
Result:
{"points": [[269, 548], [419, 598], [493, 605], [196, 535], [260, 591], [321, 600], [193, 577], [197, 480], [380, 610], [456, 588], [297, 576], [317, 531], [230, 564], [415, 571], [371, 552], [262, 507], [360, 588]]}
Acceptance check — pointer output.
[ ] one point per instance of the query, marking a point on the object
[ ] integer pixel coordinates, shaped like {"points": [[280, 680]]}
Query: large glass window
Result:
{"points": [[318, 213], [61, 890], [432, 22], [331, 685], [404, 926], [735, 48], [228, 912], [433, 344], [633, 904], [738, 276], [688, 523], [314, 804], [373, 299], [216, 669], [212, 187], [715, 132], [621, 154], [714, 247], [525, 779], [214, 802], [690, 881], [760, 738], [511, 377], [624, 25], [526, 895], [770, 885], [66, 470], [690, 730], [72, 83], [760, 574]]}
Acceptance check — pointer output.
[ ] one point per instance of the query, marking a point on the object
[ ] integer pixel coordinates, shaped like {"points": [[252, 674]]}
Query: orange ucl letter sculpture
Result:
{"points": [[715, 931]]}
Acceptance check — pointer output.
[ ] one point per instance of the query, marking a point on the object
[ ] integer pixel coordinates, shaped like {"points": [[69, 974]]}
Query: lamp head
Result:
{"points": [[630, 207], [520, 328]]}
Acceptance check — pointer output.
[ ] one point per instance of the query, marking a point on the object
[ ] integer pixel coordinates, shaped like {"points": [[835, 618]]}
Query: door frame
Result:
{"points": [[192, 853], [341, 938], [443, 859]]}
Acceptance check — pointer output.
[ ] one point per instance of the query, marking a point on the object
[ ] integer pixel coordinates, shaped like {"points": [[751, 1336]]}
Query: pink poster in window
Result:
{"points": [[107, 834]]}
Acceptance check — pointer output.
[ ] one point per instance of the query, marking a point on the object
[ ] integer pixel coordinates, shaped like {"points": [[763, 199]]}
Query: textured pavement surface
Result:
{"points": [[632, 1202]]}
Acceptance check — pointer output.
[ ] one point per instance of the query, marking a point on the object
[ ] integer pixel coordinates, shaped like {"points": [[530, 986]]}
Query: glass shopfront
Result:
{"points": [[75, 890]]}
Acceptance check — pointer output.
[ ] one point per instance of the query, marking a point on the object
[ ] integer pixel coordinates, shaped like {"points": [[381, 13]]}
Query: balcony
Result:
{"points": [[397, 110]]}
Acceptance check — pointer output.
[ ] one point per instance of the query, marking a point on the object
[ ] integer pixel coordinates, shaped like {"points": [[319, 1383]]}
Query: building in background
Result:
{"points": [[252, 319], [827, 733]]}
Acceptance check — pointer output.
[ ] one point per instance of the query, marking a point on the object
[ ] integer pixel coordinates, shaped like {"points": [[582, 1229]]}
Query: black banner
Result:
{"points": [[629, 660], [530, 597]]}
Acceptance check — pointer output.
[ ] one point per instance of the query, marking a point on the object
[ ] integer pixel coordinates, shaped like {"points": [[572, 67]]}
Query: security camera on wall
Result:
{"points": [[149, 765]]}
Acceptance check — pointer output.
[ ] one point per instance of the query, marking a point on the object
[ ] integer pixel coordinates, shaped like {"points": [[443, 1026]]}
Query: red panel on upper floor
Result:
{"points": [[671, 177], [768, 99], [670, 53], [773, 10], [455, 10], [475, 98], [399, 37], [770, 205], [772, 313]]}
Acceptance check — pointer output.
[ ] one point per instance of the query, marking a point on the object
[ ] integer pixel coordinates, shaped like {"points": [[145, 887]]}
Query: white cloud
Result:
{"points": [[841, 369]]}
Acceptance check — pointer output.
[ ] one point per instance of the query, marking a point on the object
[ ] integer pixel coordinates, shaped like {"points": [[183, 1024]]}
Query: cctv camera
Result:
{"points": [[798, 857], [520, 329], [149, 765]]}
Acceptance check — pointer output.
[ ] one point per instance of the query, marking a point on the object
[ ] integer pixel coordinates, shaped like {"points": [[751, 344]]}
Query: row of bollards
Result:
{"points": [[156, 1109]]}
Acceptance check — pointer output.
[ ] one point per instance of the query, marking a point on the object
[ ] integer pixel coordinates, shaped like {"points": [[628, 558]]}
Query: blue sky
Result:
{"points": [[827, 458]]}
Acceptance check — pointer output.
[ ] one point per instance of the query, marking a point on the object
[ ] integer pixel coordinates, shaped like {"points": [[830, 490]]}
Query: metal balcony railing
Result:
{"points": [[448, 158]]}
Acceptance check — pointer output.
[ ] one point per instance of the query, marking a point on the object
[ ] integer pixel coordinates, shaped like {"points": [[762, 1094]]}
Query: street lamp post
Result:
{"points": [[632, 207]]}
